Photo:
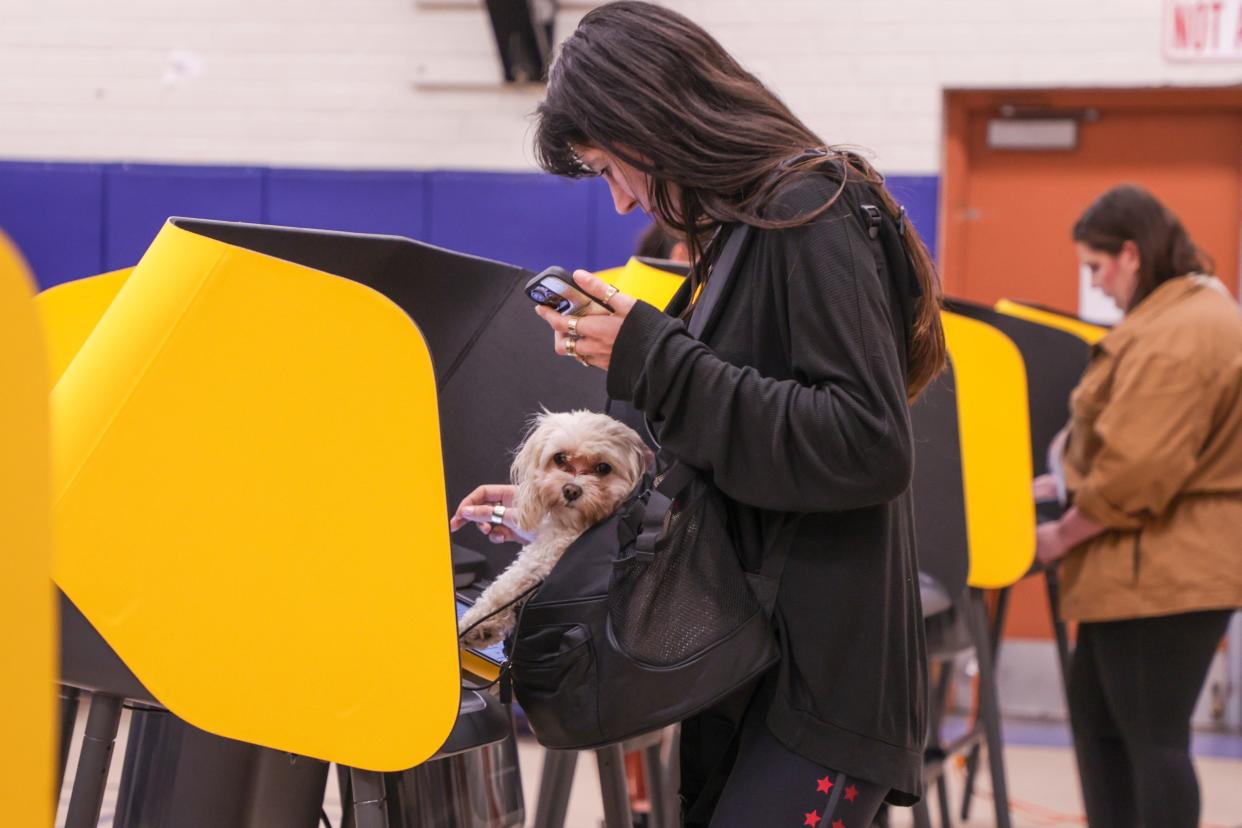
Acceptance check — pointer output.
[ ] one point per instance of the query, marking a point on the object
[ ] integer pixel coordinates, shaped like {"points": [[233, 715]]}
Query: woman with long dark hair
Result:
{"points": [[1153, 466], [794, 404]]}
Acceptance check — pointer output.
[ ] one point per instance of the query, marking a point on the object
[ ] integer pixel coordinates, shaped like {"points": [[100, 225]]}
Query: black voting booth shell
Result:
{"points": [[494, 368]]}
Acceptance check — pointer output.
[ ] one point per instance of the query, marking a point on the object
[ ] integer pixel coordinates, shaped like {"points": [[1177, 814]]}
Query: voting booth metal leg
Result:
{"points": [[613, 787], [989, 705], [1059, 628], [672, 778], [972, 760], [657, 787], [555, 781], [69, 702], [939, 694], [942, 799], [86, 799], [1061, 631], [370, 810]]}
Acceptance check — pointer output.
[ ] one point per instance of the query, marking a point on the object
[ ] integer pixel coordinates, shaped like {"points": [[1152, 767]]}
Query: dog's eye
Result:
{"points": [[603, 469], [559, 458]]}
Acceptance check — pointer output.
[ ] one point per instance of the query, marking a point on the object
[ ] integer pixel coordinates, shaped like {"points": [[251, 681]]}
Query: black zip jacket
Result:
{"points": [[795, 404]]}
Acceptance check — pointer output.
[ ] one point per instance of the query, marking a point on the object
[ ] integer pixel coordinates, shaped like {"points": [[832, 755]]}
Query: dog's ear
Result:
{"points": [[644, 457], [528, 511]]}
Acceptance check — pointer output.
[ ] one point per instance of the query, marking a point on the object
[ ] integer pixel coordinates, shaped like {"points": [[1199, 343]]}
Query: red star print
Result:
{"points": [[851, 793], [836, 823], [824, 785], [812, 819]]}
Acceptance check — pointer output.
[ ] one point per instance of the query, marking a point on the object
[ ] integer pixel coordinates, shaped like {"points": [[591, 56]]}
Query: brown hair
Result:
{"points": [[1130, 213], [651, 87]]}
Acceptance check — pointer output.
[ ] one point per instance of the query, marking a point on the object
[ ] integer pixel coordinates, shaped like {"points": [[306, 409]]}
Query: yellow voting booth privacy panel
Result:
{"points": [[994, 431], [249, 499], [643, 281], [27, 650]]}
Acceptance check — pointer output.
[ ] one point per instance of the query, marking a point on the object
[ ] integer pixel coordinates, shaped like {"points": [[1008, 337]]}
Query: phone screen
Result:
{"points": [[494, 654], [554, 292]]}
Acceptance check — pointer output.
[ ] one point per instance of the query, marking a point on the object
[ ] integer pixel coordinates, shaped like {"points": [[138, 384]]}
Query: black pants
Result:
{"points": [[742, 777], [1133, 687]]}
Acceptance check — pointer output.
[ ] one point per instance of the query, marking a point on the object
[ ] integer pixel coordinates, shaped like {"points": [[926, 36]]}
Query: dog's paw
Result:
{"points": [[485, 635]]}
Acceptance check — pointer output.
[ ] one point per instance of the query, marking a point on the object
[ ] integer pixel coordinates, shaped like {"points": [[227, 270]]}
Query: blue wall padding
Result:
{"points": [[139, 198], [615, 236], [520, 218], [359, 201], [54, 212], [920, 194], [74, 220]]}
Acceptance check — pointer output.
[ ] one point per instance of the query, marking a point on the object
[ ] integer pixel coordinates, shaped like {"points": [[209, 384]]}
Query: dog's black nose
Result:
{"points": [[572, 492]]}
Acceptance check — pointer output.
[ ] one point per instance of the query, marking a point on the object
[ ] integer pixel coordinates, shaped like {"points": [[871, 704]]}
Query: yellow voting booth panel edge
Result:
{"points": [[1085, 331], [994, 430], [249, 499], [70, 312], [27, 611]]}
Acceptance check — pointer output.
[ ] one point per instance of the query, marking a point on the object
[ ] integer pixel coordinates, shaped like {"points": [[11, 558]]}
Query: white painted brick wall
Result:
{"points": [[415, 83]]}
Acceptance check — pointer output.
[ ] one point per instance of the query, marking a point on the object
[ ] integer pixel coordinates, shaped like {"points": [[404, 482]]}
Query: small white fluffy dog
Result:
{"points": [[573, 470]]}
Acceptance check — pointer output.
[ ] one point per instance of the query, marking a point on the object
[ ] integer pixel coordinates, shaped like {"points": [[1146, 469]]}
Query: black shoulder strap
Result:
{"points": [[721, 273], [677, 475]]}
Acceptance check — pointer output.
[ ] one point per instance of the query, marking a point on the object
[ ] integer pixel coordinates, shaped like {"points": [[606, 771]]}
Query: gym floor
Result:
{"points": [[1040, 764], [1042, 781]]}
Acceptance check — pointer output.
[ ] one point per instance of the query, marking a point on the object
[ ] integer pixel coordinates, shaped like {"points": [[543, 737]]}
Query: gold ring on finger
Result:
{"points": [[573, 327]]}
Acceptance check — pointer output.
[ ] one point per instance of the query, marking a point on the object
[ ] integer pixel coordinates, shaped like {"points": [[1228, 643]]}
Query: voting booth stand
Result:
{"points": [[982, 432], [975, 529], [1055, 348]]}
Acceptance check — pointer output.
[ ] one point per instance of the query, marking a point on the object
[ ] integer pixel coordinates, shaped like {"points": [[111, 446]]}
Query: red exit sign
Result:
{"points": [[1203, 30]]}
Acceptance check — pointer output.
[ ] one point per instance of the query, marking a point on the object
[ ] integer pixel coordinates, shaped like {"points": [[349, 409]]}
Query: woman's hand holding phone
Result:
{"points": [[596, 333]]}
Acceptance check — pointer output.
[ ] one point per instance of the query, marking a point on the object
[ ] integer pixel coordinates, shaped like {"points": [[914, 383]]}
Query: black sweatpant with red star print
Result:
{"points": [[770, 785]]}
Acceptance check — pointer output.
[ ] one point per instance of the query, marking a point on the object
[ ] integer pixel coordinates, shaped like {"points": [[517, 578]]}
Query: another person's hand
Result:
{"points": [[481, 506], [1050, 543], [1059, 442], [1044, 488], [593, 334]]}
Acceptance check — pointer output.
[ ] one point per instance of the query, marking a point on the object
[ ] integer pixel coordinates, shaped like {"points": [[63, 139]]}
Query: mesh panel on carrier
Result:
{"points": [[711, 600]]}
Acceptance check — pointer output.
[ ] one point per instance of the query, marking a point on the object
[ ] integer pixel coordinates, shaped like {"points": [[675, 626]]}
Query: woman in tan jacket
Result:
{"points": [[1152, 543]]}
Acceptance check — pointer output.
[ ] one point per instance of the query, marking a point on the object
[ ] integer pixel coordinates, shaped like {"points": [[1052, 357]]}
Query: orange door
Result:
{"points": [[1008, 214]]}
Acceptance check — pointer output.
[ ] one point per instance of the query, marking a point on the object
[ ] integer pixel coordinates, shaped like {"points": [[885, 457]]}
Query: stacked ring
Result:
{"points": [[571, 344], [498, 514]]}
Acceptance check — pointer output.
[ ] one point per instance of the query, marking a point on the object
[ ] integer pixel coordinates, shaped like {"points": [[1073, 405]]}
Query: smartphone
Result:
{"points": [[553, 288]]}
